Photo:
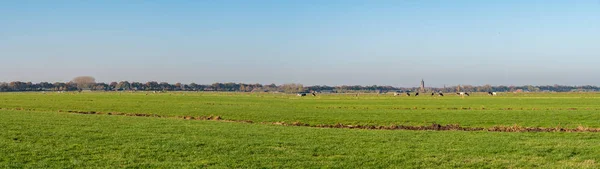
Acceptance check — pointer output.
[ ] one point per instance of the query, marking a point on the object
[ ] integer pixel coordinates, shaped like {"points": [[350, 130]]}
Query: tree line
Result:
{"points": [[18, 86]]}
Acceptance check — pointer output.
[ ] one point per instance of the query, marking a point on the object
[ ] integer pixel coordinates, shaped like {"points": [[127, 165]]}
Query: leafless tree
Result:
{"points": [[84, 82], [292, 88]]}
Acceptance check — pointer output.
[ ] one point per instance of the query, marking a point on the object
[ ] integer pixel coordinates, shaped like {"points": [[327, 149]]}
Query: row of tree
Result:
{"points": [[460, 88], [288, 88], [89, 83], [125, 85]]}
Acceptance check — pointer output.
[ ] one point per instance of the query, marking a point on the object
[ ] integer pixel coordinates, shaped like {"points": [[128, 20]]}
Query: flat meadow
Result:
{"points": [[61, 130]]}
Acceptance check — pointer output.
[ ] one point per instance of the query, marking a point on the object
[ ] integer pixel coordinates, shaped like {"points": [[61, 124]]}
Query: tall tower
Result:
{"points": [[422, 89]]}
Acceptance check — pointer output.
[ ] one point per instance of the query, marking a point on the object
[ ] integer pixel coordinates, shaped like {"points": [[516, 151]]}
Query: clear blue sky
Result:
{"points": [[314, 42]]}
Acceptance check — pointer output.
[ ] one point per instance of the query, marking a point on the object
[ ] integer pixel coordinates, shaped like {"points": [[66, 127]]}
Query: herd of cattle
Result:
{"points": [[442, 94], [417, 94], [304, 94]]}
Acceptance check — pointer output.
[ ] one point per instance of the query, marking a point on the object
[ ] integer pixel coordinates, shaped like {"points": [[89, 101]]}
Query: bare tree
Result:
{"points": [[292, 88], [84, 82]]}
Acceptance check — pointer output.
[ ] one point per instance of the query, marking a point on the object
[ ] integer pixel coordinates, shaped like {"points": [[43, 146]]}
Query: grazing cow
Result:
{"points": [[417, 94], [301, 94], [314, 94], [462, 94], [407, 94], [432, 93], [493, 93], [440, 94], [396, 94]]}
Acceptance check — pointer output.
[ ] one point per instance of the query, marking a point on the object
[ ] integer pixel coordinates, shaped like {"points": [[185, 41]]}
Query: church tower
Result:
{"points": [[422, 88]]}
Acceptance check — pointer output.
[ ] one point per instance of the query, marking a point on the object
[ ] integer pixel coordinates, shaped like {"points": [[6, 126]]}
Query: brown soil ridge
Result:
{"points": [[448, 127], [432, 127]]}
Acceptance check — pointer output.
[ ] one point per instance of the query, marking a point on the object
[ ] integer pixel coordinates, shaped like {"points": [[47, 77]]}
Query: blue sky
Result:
{"points": [[334, 42]]}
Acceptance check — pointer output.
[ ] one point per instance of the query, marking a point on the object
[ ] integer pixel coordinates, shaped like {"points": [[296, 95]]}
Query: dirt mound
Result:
{"points": [[433, 126], [516, 128]]}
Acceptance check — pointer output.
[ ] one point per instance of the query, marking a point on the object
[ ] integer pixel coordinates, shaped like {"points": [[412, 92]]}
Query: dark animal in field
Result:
{"points": [[440, 94], [462, 94], [432, 94], [407, 94], [301, 94], [492, 93], [314, 94], [417, 94]]}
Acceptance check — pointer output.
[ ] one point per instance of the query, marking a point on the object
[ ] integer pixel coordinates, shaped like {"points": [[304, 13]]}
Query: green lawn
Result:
{"points": [[32, 139]]}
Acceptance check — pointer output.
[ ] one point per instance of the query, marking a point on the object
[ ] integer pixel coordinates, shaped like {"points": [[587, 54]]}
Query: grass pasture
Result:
{"points": [[533, 110], [38, 132]]}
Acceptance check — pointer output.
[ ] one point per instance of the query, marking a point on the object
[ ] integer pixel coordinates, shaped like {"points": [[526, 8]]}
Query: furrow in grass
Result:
{"points": [[432, 127]]}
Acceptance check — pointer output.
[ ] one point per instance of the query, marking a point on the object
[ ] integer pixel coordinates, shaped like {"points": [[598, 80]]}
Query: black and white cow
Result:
{"points": [[462, 94]]}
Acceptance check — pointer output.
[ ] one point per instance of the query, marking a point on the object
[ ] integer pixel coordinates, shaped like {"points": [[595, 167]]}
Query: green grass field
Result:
{"points": [[38, 132]]}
